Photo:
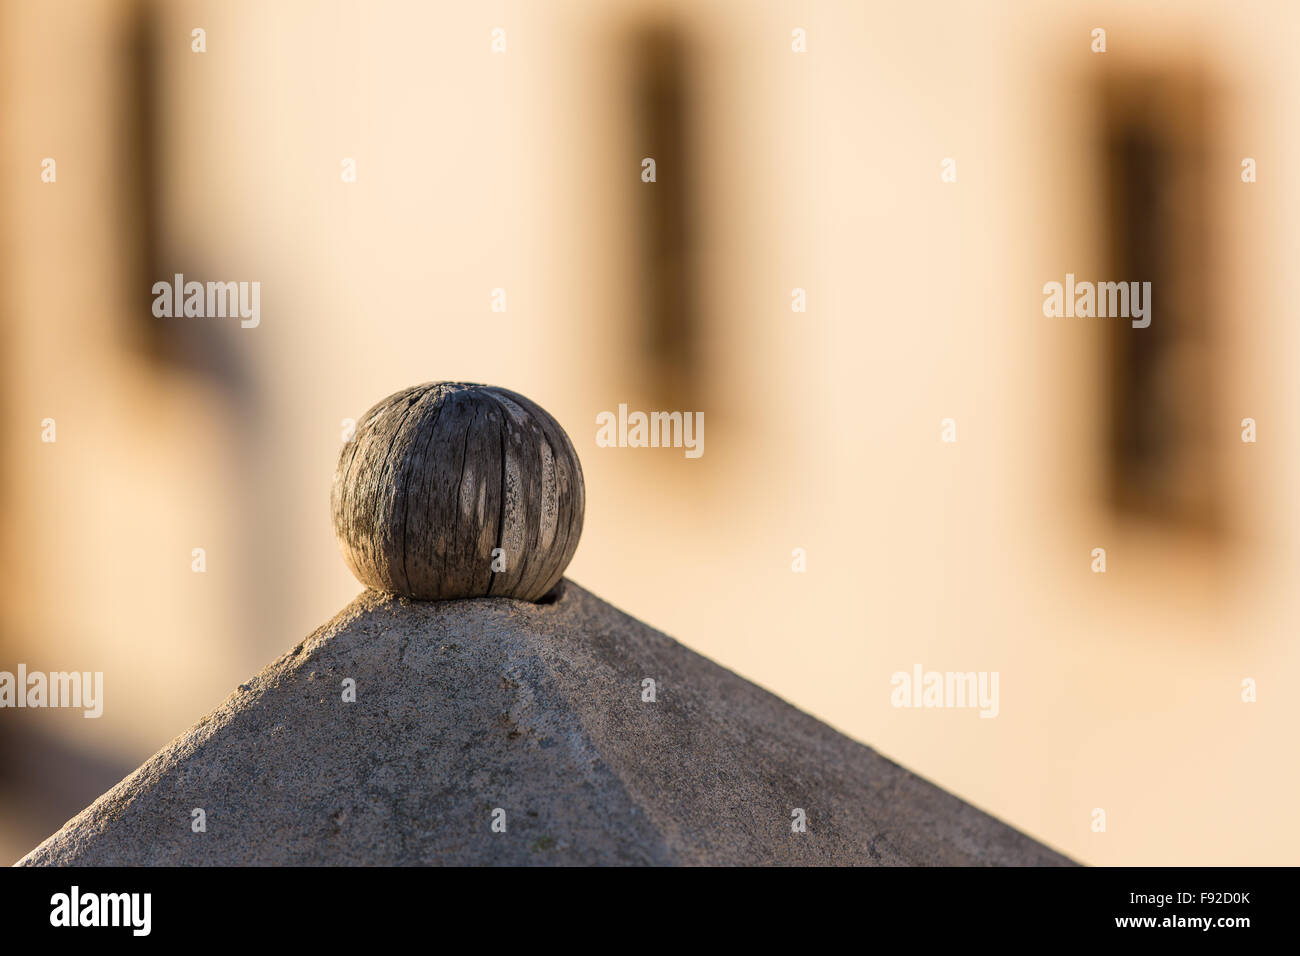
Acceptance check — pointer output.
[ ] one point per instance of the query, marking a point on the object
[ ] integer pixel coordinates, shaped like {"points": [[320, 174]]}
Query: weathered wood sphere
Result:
{"points": [[451, 490]]}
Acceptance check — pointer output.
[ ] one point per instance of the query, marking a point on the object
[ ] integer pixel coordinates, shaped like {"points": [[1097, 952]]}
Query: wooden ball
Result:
{"points": [[452, 490]]}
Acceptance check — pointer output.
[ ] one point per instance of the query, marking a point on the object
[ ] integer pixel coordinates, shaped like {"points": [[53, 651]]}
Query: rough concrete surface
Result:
{"points": [[466, 706]]}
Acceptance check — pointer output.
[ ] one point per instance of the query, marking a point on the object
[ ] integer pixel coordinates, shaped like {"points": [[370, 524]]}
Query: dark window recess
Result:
{"points": [[667, 291], [1160, 444], [202, 346]]}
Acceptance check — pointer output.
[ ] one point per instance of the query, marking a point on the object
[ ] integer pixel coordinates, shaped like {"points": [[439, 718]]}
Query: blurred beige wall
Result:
{"points": [[521, 171]]}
